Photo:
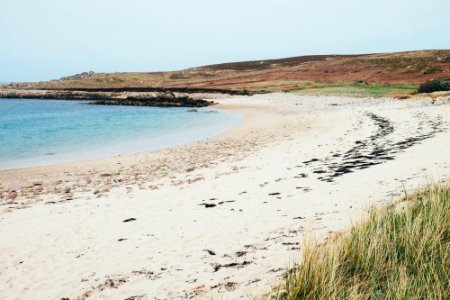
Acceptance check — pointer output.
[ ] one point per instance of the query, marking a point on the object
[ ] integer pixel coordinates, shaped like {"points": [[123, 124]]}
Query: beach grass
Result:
{"points": [[357, 89], [402, 251]]}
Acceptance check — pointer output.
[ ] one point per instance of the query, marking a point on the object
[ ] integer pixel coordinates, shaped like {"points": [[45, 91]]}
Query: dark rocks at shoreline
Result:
{"points": [[166, 99], [162, 100], [56, 95]]}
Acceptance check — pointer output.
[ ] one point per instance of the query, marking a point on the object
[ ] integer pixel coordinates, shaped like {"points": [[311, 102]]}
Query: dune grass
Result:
{"points": [[358, 89], [398, 253]]}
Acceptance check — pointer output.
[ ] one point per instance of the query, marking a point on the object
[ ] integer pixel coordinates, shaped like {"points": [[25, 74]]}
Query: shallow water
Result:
{"points": [[37, 132]]}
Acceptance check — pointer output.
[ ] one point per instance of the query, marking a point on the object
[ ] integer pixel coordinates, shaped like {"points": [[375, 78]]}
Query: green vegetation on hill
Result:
{"points": [[435, 86], [358, 89], [401, 252]]}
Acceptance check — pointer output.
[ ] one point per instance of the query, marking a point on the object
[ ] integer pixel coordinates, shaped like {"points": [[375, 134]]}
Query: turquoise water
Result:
{"points": [[38, 132]]}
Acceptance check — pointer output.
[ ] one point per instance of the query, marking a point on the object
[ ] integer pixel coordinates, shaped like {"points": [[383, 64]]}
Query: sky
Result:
{"points": [[47, 39]]}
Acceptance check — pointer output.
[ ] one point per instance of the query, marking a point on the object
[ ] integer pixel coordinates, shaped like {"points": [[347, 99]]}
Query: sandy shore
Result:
{"points": [[220, 218]]}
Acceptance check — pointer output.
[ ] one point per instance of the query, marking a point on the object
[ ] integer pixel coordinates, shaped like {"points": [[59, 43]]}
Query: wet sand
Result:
{"points": [[220, 218]]}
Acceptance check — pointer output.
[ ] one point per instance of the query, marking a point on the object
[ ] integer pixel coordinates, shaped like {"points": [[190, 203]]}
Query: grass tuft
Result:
{"points": [[401, 252]]}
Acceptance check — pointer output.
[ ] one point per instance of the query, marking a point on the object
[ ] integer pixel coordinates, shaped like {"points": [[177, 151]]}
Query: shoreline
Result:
{"points": [[140, 144], [222, 217], [8, 179]]}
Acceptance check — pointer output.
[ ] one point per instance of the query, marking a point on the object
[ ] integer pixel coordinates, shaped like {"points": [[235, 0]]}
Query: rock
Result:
{"points": [[190, 169], [161, 99], [192, 110], [167, 95]]}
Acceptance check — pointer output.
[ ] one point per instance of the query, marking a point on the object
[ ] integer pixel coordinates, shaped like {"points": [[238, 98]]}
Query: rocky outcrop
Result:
{"points": [[81, 76], [167, 99], [162, 100]]}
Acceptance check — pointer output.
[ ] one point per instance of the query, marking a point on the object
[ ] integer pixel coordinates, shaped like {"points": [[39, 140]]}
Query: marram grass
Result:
{"points": [[401, 251]]}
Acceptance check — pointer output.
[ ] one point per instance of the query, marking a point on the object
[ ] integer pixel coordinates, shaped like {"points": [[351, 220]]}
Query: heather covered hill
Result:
{"points": [[407, 68]]}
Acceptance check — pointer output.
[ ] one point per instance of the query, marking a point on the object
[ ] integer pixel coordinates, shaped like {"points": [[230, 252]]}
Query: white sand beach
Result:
{"points": [[221, 218]]}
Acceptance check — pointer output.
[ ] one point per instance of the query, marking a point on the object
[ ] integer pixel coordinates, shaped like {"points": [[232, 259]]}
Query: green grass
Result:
{"points": [[358, 89], [398, 253]]}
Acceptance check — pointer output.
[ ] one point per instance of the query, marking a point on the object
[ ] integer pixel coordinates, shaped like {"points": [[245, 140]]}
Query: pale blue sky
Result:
{"points": [[46, 39]]}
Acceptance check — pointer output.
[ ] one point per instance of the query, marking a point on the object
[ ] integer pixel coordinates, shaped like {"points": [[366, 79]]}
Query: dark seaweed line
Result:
{"points": [[376, 148]]}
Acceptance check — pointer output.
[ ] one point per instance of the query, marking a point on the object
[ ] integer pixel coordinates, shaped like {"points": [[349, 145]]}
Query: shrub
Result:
{"points": [[435, 86]]}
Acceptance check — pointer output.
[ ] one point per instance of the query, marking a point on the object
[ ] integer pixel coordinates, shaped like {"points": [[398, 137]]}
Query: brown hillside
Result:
{"points": [[412, 67]]}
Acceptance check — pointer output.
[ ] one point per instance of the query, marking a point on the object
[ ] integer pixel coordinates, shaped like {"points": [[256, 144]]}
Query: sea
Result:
{"points": [[42, 132]]}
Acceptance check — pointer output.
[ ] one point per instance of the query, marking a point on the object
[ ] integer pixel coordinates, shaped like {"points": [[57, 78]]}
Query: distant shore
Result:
{"points": [[220, 218], [100, 97]]}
